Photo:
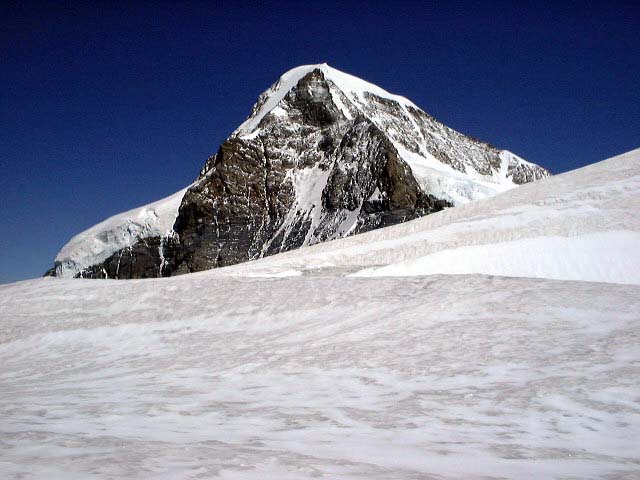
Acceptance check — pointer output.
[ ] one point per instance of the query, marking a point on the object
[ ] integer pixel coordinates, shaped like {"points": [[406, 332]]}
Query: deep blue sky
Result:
{"points": [[105, 108]]}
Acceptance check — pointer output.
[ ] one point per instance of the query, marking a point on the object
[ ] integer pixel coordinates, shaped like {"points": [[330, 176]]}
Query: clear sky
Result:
{"points": [[104, 108]]}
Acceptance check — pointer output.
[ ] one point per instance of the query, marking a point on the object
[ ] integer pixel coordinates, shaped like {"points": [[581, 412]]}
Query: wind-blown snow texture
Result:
{"points": [[324, 155], [221, 374], [425, 377]]}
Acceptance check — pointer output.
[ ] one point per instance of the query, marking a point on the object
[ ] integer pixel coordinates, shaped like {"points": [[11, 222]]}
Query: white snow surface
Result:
{"points": [[99, 242], [596, 257], [325, 376], [289, 368]]}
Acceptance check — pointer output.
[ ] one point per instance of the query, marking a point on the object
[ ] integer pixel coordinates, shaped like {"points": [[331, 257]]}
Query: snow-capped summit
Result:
{"points": [[458, 173], [349, 85], [323, 155], [417, 136]]}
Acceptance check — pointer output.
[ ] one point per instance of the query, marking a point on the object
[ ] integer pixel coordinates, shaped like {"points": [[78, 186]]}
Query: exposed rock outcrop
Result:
{"points": [[323, 155]]}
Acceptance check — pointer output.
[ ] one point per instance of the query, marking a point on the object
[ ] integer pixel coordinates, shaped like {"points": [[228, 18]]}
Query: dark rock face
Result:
{"points": [[320, 165], [51, 272], [316, 177], [522, 173], [142, 260]]}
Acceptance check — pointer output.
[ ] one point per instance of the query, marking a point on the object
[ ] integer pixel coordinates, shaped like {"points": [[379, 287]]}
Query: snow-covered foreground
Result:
{"points": [[341, 368], [424, 377]]}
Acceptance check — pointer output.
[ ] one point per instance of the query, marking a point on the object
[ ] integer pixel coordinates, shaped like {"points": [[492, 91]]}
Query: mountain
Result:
{"points": [[580, 225], [323, 363], [323, 155]]}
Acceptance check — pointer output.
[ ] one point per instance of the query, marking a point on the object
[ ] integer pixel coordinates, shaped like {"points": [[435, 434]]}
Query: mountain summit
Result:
{"points": [[323, 155]]}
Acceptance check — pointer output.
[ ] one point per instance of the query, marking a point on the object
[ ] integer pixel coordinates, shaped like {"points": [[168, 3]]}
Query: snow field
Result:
{"points": [[424, 377]]}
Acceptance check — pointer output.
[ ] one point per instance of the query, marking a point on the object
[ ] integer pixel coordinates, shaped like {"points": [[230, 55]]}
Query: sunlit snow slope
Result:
{"points": [[452, 377], [581, 225], [221, 374]]}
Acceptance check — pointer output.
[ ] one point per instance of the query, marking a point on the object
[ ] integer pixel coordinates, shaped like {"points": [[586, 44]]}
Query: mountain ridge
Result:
{"points": [[578, 225], [323, 155]]}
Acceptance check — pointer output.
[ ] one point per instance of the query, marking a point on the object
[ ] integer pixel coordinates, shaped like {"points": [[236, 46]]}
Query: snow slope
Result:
{"points": [[314, 373], [595, 257], [452, 377], [581, 225]]}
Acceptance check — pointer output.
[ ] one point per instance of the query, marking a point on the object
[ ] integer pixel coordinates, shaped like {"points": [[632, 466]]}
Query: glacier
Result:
{"points": [[350, 359]]}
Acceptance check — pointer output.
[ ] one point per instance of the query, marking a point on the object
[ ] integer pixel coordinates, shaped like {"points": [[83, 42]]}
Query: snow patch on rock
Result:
{"points": [[115, 233]]}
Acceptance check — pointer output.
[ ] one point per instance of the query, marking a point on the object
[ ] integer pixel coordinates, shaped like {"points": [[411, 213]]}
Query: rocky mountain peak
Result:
{"points": [[323, 155]]}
